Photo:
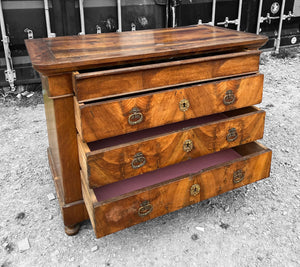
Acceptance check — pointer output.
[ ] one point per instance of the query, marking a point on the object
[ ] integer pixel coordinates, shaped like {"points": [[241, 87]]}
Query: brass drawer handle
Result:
{"points": [[188, 145], [195, 189], [145, 208], [232, 135], [184, 105], [238, 176], [229, 98], [138, 161], [135, 117]]}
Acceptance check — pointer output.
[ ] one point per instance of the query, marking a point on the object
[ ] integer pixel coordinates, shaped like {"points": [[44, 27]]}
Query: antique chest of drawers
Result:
{"points": [[141, 124]]}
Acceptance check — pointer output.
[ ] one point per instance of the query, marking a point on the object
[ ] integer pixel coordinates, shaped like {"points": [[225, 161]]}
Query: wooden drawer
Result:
{"points": [[105, 119], [122, 81], [114, 159], [128, 202]]}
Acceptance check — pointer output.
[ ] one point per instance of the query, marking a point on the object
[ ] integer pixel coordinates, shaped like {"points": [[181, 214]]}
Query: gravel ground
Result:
{"points": [[257, 225]]}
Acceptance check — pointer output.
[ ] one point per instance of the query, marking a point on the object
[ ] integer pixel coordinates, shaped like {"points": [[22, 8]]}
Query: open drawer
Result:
{"points": [[121, 81], [122, 204], [121, 157], [103, 119]]}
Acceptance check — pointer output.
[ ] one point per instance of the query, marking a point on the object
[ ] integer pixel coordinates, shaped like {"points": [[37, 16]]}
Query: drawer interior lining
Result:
{"points": [[138, 135], [164, 174]]}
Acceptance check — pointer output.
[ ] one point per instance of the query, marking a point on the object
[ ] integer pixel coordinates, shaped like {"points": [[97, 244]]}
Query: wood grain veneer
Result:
{"points": [[97, 85], [104, 119], [69, 53], [113, 161], [121, 211]]}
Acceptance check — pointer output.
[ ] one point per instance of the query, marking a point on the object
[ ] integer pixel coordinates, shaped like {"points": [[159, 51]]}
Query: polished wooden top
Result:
{"points": [[69, 53]]}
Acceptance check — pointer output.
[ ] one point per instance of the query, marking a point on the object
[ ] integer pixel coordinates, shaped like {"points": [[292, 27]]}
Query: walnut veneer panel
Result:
{"points": [[97, 85], [115, 163], [62, 140], [146, 203], [69, 53], [110, 118]]}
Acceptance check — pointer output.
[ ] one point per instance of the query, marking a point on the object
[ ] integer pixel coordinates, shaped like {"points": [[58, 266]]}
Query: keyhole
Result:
{"points": [[184, 105], [188, 145], [195, 190]]}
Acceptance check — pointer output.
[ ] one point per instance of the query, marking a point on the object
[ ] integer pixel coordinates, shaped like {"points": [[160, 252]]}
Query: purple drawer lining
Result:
{"points": [[164, 174], [126, 138]]}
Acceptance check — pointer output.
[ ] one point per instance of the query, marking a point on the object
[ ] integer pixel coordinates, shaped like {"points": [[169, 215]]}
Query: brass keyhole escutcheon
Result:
{"points": [[184, 105], [138, 161], [135, 117], [188, 145], [195, 189], [238, 176], [229, 98], [232, 135], [145, 208]]}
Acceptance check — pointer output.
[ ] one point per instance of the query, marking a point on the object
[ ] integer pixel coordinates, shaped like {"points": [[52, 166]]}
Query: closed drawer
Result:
{"points": [[121, 81], [114, 159], [105, 119], [126, 203]]}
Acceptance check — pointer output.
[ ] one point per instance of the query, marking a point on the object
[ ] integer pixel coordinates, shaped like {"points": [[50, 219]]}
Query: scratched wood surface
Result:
{"points": [[110, 118], [69, 53], [113, 164], [116, 82], [122, 212]]}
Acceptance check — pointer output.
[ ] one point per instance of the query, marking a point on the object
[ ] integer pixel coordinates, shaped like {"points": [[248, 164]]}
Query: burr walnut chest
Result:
{"points": [[144, 123]]}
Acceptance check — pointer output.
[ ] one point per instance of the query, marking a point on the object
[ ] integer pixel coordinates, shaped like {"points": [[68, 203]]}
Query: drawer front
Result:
{"points": [[106, 83], [111, 118], [120, 212], [112, 164]]}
